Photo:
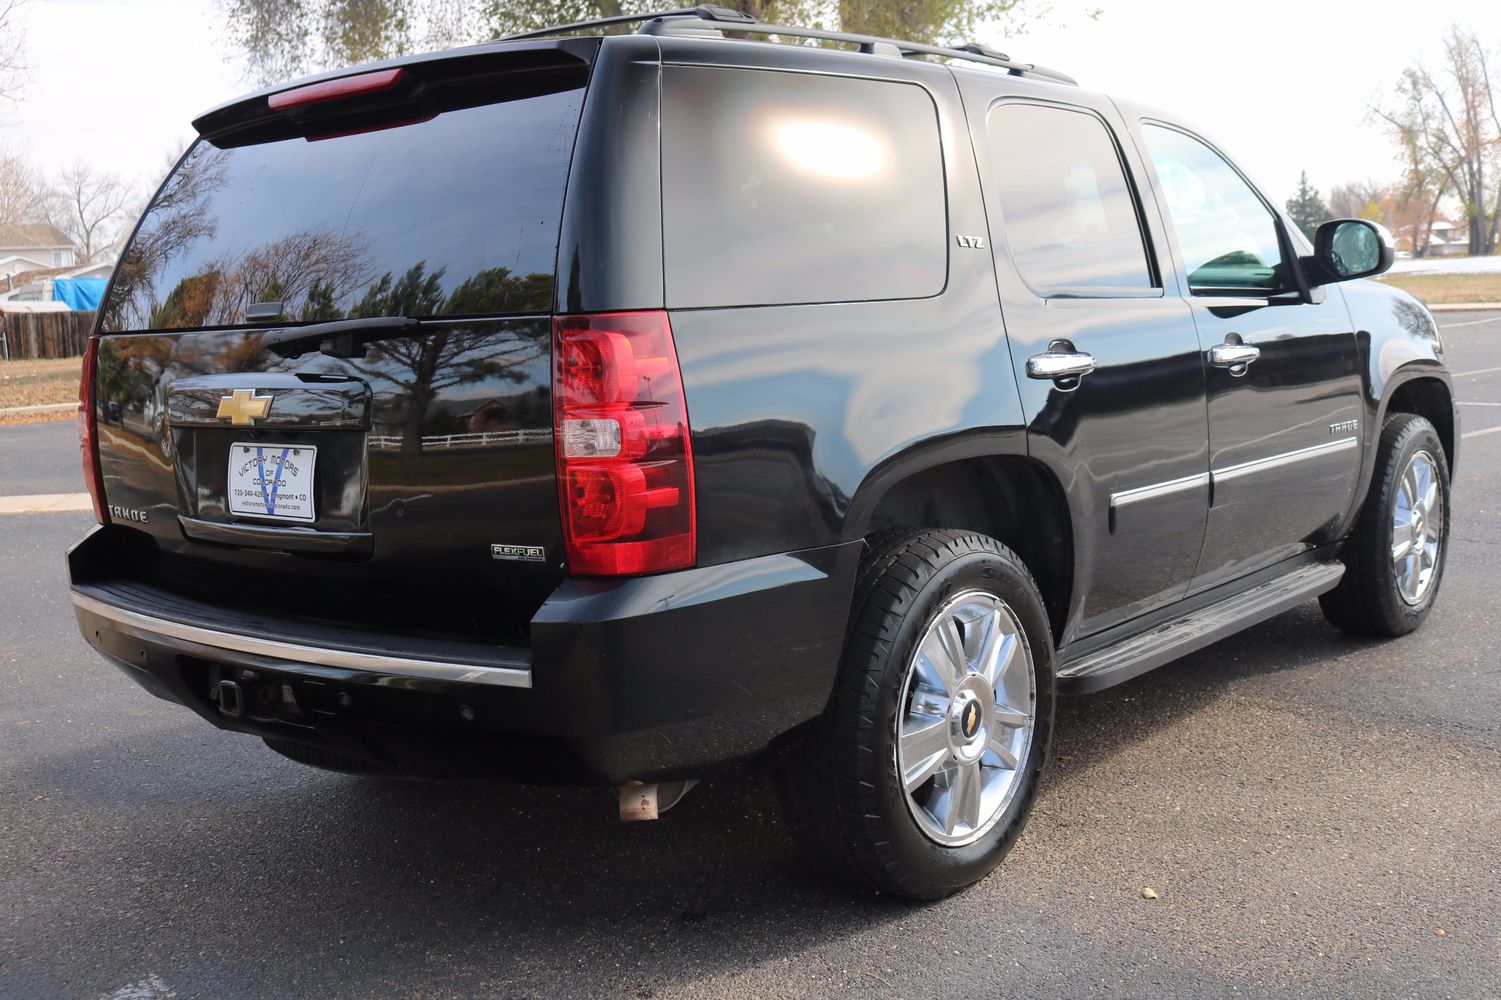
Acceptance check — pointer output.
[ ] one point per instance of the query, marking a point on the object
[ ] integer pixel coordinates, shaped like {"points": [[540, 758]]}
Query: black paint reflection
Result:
{"points": [[1413, 317], [460, 379]]}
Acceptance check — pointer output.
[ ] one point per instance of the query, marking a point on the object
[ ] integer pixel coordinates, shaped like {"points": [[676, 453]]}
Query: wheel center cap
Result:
{"points": [[967, 725], [969, 722]]}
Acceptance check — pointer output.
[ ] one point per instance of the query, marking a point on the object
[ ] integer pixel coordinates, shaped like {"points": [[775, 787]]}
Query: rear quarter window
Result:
{"points": [[785, 188]]}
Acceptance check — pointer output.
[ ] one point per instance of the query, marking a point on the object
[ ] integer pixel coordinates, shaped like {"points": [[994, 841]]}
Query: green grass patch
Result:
{"points": [[1448, 289], [32, 383]]}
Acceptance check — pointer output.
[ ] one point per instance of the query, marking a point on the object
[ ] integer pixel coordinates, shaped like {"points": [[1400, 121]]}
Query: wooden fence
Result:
{"points": [[28, 336]]}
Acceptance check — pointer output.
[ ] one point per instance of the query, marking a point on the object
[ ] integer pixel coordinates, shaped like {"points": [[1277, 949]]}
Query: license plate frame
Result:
{"points": [[253, 487]]}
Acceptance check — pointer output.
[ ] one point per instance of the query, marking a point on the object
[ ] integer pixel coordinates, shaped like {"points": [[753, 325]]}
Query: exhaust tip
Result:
{"points": [[640, 802]]}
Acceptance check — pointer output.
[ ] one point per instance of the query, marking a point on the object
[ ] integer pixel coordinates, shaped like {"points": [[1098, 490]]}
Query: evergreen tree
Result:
{"points": [[1306, 207]]}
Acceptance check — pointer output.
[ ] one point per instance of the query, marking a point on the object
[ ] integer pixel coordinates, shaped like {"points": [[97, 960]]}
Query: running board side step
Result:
{"points": [[1110, 666]]}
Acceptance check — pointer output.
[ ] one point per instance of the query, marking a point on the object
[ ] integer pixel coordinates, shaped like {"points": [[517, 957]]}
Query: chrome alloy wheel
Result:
{"points": [[1417, 528], [965, 719]]}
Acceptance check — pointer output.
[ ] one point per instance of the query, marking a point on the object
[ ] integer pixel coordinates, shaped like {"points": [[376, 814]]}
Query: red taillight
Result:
{"points": [[625, 463], [88, 430], [333, 90]]}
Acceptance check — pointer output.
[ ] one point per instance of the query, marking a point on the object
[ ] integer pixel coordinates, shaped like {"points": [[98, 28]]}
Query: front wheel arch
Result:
{"points": [[1427, 396], [1369, 598], [1420, 390]]}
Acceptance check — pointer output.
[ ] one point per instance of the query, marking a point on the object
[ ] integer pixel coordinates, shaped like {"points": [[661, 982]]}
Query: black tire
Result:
{"points": [[1368, 600], [841, 795]]}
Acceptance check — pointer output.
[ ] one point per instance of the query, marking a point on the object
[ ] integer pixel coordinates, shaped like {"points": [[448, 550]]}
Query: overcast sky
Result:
{"points": [[1282, 83]]}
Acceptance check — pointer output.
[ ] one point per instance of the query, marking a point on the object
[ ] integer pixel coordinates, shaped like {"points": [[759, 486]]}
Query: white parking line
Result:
{"points": [[1466, 402], [1477, 371], [150, 988], [1480, 433], [45, 503], [1473, 322]]}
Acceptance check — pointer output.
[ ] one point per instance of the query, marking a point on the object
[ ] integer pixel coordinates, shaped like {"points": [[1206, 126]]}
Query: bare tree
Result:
{"points": [[90, 207], [12, 49], [23, 196], [1447, 121], [179, 218], [1359, 200], [291, 270], [285, 38], [1425, 185]]}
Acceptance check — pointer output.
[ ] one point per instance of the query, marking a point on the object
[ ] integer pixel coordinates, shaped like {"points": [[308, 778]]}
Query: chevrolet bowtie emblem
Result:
{"points": [[243, 407]]}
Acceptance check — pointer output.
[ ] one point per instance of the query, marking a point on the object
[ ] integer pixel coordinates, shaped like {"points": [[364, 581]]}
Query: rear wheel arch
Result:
{"points": [[853, 803], [1011, 498]]}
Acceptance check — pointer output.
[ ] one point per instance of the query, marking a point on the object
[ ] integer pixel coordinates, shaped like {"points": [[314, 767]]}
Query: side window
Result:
{"points": [[1228, 237], [1069, 217], [783, 188]]}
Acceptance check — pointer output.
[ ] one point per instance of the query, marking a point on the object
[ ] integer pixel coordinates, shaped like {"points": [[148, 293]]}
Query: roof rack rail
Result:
{"points": [[728, 19], [625, 18]]}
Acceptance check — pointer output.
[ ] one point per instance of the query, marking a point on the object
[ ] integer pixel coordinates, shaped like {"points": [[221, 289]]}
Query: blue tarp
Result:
{"points": [[79, 293]]}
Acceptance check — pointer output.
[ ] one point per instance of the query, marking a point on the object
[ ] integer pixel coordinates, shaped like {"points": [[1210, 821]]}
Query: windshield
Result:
{"points": [[457, 215]]}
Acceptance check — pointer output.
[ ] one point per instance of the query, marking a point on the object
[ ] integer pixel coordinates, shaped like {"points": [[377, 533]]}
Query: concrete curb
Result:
{"points": [[1456, 307], [21, 411], [45, 503]]}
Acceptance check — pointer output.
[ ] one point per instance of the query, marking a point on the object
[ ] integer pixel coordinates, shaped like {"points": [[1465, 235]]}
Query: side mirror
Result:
{"points": [[1346, 249]]}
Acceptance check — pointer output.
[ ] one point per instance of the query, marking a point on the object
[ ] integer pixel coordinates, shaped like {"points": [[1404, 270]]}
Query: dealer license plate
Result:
{"points": [[273, 481]]}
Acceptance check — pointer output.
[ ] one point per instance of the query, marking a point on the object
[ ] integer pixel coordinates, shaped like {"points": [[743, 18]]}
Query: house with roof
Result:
{"points": [[1449, 239], [79, 287], [33, 246], [1445, 239]]}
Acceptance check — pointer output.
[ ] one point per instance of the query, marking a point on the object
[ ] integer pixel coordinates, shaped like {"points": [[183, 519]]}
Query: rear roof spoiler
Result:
{"points": [[426, 85]]}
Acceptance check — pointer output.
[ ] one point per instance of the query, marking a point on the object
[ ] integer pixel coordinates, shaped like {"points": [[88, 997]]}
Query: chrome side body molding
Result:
{"points": [[1286, 458], [1127, 497], [1171, 486]]}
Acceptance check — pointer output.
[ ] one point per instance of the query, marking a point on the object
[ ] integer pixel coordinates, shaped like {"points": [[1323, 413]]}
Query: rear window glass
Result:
{"points": [[458, 215], [784, 188]]}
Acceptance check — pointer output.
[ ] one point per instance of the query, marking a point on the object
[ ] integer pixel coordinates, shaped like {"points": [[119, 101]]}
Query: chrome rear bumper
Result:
{"points": [[239, 645]]}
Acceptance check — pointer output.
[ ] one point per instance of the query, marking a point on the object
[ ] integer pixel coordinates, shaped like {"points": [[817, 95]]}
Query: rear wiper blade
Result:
{"points": [[338, 337]]}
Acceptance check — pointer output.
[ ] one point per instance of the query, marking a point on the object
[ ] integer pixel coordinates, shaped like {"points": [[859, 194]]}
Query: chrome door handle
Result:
{"points": [[1055, 364], [1233, 356]]}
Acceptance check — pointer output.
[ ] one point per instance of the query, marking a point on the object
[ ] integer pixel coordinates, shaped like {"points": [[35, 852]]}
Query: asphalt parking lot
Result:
{"points": [[1317, 816]]}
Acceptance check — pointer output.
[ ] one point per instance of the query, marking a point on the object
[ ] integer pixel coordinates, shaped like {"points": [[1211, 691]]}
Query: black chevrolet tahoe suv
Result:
{"points": [[634, 406]]}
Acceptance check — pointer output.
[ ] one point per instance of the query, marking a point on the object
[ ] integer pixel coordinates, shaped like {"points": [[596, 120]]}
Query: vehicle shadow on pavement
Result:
{"points": [[1091, 728], [226, 855], [222, 854]]}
